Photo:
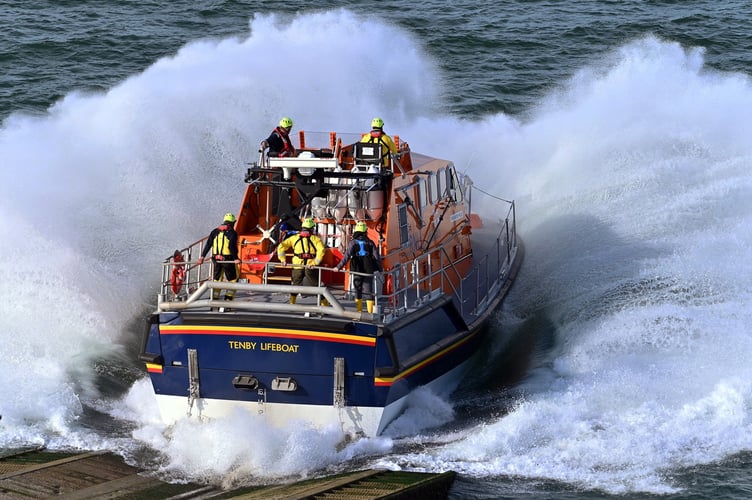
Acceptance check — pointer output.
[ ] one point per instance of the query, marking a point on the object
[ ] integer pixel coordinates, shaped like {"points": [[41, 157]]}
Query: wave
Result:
{"points": [[633, 191]]}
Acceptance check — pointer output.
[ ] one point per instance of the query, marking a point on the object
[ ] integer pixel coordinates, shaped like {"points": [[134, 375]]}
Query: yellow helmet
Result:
{"points": [[360, 227], [377, 123], [285, 122], [308, 224], [229, 217]]}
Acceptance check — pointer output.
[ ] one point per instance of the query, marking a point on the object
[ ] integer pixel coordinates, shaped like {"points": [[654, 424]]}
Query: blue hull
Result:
{"points": [[382, 364]]}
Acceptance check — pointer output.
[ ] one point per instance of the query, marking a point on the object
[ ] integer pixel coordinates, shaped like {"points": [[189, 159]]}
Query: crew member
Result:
{"points": [[279, 142], [364, 260], [286, 231], [223, 243], [307, 252], [378, 135]]}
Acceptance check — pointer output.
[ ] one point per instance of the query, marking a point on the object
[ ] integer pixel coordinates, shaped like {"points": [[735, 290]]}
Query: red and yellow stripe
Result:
{"points": [[152, 368], [388, 381], [279, 333]]}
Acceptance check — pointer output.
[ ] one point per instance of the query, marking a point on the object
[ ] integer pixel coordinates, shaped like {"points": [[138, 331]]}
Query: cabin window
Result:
{"points": [[433, 195], [441, 183], [404, 233], [455, 190], [420, 194]]}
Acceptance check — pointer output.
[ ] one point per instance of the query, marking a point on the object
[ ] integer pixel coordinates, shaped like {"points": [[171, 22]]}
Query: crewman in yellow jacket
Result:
{"points": [[223, 243], [307, 251], [378, 135]]}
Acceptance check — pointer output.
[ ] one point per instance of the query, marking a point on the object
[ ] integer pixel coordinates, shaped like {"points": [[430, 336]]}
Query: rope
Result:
{"points": [[491, 195]]}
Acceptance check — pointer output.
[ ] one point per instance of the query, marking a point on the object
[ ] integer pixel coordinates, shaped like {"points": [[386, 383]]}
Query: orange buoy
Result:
{"points": [[177, 275]]}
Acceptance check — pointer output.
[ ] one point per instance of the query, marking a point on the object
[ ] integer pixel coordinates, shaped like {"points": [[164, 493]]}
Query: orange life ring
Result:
{"points": [[388, 285], [388, 290], [177, 275]]}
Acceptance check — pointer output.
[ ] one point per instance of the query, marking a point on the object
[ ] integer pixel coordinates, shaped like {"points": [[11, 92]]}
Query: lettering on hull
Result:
{"points": [[262, 346]]}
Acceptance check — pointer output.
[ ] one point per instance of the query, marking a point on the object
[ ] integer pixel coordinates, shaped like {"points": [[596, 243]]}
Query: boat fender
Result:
{"points": [[177, 275]]}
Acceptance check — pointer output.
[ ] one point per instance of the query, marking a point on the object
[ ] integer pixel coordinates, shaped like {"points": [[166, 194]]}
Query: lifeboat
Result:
{"points": [[325, 358]]}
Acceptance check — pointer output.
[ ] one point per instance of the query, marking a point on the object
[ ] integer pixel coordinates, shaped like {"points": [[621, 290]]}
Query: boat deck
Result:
{"points": [[411, 289], [310, 300]]}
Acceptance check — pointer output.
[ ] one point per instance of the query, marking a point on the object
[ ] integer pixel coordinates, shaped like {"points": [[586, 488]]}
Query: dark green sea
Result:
{"points": [[621, 128]]}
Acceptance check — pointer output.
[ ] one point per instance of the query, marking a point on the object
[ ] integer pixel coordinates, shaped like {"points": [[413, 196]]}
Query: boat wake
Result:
{"points": [[638, 219]]}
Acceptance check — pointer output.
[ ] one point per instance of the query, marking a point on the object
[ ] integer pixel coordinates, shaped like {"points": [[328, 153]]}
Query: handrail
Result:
{"points": [[195, 300], [408, 288]]}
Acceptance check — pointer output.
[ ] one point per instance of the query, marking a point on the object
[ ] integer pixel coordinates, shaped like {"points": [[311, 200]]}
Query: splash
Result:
{"points": [[240, 449], [97, 193], [635, 209]]}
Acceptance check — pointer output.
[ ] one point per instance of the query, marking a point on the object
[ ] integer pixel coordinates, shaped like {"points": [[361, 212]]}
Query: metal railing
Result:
{"points": [[472, 293], [189, 285]]}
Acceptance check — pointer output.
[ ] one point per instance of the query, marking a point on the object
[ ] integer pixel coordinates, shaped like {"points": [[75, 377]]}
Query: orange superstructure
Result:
{"points": [[414, 207]]}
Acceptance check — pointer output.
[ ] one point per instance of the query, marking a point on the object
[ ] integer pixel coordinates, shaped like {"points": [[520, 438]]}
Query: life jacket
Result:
{"points": [[221, 243], [307, 251], [362, 252], [287, 148], [375, 136], [363, 260]]}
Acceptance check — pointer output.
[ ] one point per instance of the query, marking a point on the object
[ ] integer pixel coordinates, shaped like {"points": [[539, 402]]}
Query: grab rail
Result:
{"points": [[398, 290]]}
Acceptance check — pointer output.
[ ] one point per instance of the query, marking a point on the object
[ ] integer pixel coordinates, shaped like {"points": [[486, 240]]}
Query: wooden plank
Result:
{"points": [[54, 463], [114, 488], [306, 490], [68, 475], [106, 475]]}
